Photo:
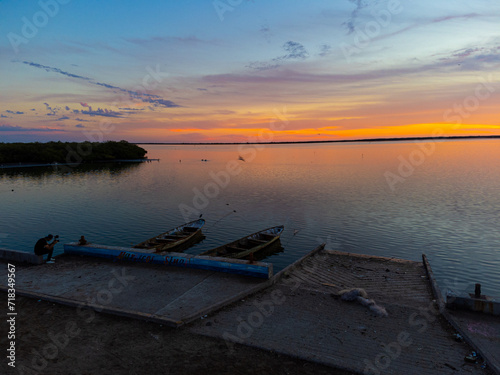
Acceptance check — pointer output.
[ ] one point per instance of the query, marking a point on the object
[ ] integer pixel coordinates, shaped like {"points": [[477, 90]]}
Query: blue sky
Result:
{"points": [[210, 71]]}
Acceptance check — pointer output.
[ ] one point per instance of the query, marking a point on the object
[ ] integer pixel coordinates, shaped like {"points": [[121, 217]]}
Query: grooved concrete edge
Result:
{"points": [[163, 320], [271, 282], [18, 256], [312, 360], [295, 264], [219, 305], [442, 309], [372, 257], [251, 291], [98, 308]]}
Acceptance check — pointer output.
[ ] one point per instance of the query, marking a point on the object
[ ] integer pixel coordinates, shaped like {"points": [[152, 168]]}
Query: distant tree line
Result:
{"points": [[60, 152]]}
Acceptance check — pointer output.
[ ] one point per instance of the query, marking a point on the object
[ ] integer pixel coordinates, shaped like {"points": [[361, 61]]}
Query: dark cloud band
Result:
{"points": [[146, 98]]}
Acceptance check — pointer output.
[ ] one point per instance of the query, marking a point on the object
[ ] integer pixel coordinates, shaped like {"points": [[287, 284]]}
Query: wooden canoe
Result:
{"points": [[247, 245], [176, 238]]}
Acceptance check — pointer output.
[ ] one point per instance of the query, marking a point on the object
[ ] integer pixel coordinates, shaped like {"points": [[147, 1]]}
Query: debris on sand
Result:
{"points": [[359, 295]]}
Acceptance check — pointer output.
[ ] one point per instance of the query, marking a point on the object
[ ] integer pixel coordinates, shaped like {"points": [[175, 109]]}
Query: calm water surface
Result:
{"points": [[398, 199]]}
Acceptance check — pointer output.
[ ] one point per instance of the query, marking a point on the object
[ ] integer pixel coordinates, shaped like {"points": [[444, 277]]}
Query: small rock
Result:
{"points": [[156, 337], [458, 337]]}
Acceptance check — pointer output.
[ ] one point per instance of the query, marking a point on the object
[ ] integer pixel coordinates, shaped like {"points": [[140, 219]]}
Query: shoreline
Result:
{"points": [[405, 139], [55, 165], [375, 140]]}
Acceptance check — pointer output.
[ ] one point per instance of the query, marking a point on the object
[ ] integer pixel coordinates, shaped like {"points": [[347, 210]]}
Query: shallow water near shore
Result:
{"points": [[394, 199]]}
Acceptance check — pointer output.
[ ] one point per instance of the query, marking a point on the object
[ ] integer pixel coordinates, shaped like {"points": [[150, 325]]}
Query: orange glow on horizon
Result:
{"points": [[266, 134]]}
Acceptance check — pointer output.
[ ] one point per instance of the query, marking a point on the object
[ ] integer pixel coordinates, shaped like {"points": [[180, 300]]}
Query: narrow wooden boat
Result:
{"points": [[247, 245], [174, 239]]}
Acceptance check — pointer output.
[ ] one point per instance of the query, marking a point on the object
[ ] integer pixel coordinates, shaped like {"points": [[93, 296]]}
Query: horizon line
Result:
{"points": [[326, 141]]}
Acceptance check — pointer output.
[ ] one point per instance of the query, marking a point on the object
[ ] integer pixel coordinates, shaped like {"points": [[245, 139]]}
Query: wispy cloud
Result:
{"points": [[10, 128], [360, 5], [101, 112], [325, 50], [422, 24], [262, 65], [14, 112], [295, 51], [454, 17], [473, 55], [156, 100], [52, 111], [265, 30], [191, 39]]}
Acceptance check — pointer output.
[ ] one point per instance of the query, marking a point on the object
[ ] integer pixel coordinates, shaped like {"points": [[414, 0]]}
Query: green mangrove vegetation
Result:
{"points": [[69, 152]]}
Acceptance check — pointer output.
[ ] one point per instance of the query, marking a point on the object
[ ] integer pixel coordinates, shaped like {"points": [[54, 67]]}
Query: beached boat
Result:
{"points": [[174, 239], [247, 245]]}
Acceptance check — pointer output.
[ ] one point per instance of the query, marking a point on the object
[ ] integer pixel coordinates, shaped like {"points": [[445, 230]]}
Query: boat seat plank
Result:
{"points": [[235, 248], [170, 237], [165, 240], [256, 241], [267, 236]]}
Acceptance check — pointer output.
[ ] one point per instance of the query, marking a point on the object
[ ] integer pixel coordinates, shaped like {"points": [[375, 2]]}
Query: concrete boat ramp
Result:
{"points": [[165, 294], [302, 316], [396, 329]]}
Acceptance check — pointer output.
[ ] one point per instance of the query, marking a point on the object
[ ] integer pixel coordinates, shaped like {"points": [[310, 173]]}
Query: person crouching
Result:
{"points": [[43, 247]]}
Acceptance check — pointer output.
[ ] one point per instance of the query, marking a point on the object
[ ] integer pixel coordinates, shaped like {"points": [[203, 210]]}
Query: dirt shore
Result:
{"points": [[55, 339]]}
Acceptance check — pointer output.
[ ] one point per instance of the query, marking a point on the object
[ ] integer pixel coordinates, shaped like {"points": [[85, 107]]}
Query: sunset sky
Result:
{"points": [[250, 70]]}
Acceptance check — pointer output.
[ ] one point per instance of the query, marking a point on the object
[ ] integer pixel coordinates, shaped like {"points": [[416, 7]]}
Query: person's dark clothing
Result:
{"points": [[41, 250]]}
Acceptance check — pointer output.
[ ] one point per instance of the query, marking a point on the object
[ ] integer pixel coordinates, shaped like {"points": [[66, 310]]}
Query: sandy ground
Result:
{"points": [[55, 339]]}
